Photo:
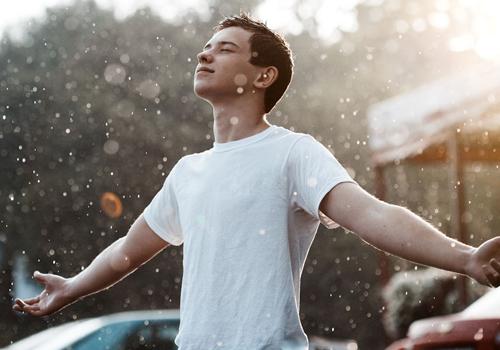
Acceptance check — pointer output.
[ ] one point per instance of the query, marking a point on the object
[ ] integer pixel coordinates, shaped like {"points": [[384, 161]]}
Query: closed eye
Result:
{"points": [[226, 50]]}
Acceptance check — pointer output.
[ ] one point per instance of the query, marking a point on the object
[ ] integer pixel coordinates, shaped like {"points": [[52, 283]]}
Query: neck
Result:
{"points": [[234, 121]]}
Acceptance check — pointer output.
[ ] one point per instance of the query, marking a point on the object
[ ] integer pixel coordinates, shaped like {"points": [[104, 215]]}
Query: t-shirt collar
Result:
{"points": [[226, 146]]}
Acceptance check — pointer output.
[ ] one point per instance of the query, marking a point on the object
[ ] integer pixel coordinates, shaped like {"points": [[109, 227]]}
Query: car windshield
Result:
{"points": [[131, 335]]}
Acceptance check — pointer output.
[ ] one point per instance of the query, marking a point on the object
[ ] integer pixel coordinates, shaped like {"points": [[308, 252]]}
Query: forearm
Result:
{"points": [[109, 267], [400, 232]]}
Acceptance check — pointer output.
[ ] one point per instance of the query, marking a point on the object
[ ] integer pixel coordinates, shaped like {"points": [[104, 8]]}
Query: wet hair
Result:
{"points": [[268, 48]]}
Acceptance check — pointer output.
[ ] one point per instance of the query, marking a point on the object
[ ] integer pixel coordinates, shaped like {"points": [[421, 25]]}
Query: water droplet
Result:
{"points": [[240, 79], [111, 147], [149, 89], [479, 335], [124, 58], [115, 74]]}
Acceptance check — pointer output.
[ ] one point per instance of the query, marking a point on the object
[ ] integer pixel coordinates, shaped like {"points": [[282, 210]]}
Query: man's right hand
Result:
{"points": [[53, 298], [113, 264]]}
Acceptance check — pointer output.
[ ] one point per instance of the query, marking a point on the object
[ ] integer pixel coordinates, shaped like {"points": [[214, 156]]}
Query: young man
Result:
{"points": [[247, 211]]}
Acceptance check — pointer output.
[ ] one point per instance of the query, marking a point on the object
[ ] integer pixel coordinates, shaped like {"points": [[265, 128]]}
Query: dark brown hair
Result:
{"points": [[268, 48]]}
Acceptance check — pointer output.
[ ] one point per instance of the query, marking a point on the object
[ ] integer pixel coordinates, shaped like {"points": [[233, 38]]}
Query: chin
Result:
{"points": [[203, 91], [199, 92]]}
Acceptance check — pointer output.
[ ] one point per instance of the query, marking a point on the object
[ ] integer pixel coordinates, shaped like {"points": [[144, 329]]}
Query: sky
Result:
{"points": [[290, 16], [330, 15]]}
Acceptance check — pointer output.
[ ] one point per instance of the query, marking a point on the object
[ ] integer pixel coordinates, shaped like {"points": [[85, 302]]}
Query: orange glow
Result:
{"points": [[111, 205]]}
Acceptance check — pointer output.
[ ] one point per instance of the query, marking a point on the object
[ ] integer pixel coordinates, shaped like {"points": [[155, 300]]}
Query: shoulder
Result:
{"points": [[194, 162], [291, 137], [302, 143], [193, 157]]}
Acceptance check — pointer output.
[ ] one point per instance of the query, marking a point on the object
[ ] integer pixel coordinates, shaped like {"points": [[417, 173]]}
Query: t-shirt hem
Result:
{"points": [[159, 231]]}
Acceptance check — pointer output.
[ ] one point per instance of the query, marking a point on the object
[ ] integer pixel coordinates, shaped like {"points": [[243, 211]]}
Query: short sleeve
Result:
{"points": [[313, 171], [162, 213]]}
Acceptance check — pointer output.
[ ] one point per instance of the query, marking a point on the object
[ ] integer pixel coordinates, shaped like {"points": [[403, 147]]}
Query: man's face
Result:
{"points": [[227, 55]]}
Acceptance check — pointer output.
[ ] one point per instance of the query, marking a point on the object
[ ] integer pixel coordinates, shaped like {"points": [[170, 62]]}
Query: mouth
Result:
{"points": [[204, 69]]}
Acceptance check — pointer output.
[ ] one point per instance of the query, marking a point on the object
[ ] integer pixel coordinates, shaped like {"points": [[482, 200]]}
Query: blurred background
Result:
{"points": [[97, 105]]}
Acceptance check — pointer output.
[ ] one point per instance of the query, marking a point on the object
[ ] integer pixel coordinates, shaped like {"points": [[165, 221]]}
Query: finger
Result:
{"points": [[40, 277], [30, 301], [492, 276], [495, 264], [23, 307], [31, 308], [20, 303]]}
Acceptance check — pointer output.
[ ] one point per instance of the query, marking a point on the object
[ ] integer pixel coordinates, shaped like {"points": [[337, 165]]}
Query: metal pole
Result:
{"points": [[457, 190], [380, 194]]}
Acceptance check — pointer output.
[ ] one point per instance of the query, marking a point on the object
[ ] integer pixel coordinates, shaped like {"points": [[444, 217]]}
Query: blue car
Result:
{"points": [[132, 330]]}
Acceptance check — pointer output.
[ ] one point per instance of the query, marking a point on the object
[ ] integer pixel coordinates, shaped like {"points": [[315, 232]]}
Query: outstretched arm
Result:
{"points": [[113, 264], [398, 231]]}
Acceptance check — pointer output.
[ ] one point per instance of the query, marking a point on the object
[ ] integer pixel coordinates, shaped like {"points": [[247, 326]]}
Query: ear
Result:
{"points": [[266, 78]]}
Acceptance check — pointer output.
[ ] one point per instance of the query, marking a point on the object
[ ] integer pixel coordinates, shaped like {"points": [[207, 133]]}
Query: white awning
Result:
{"points": [[406, 125]]}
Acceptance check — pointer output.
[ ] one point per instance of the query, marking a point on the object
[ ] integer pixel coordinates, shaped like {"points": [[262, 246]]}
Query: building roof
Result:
{"points": [[405, 125]]}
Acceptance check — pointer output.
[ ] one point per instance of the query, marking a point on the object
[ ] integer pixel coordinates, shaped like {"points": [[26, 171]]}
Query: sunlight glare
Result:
{"points": [[485, 28]]}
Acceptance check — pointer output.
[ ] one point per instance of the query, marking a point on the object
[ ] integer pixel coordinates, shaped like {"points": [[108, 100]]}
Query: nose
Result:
{"points": [[204, 56]]}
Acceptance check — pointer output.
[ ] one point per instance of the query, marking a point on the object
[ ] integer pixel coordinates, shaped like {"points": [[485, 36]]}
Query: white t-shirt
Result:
{"points": [[247, 213]]}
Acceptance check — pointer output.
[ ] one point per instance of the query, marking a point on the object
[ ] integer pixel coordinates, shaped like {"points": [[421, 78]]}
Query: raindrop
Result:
{"points": [[240, 79], [115, 74], [149, 89], [479, 335], [124, 58], [124, 108], [111, 147]]}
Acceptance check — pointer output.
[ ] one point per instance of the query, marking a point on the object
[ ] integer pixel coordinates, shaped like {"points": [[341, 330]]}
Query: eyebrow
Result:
{"points": [[222, 43]]}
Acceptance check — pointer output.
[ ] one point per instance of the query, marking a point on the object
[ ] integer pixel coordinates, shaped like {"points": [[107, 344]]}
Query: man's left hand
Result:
{"points": [[484, 264]]}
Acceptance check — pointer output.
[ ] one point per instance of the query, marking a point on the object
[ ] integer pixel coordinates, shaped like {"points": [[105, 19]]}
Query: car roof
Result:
{"points": [[488, 306], [72, 331]]}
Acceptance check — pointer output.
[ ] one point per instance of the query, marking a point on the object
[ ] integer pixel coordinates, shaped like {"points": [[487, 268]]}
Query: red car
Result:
{"points": [[475, 328]]}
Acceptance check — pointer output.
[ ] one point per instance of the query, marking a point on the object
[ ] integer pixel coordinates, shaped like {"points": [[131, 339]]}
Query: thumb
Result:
{"points": [[40, 277]]}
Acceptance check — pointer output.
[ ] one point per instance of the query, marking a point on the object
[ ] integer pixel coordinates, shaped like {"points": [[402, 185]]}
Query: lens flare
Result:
{"points": [[111, 205]]}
